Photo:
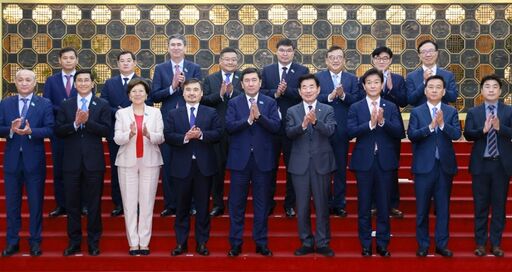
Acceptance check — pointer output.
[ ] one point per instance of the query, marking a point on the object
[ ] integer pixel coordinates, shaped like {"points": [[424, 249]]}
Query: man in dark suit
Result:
{"points": [[339, 89], [393, 89], [251, 121], [82, 122], [167, 89], [192, 130], [281, 81], [219, 88], [489, 126], [25, 120], [309, 125], [375, 123], [415, 81], [432, 128], [58, 88]]}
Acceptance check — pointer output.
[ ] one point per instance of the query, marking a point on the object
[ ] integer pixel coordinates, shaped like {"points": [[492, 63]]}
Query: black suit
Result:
{"points": [[490, 175], [84, 162]]}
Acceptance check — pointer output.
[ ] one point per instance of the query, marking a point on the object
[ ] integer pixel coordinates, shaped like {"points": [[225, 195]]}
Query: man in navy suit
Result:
{"points": [[375, 123], [252, 121], [82, 122], [393, 89], [281, 82], [339, 89], [167, 89], [192, 130], [25, 120], [58, 88], [416, 80], [219, 88], [432, 128], [490, 127]]}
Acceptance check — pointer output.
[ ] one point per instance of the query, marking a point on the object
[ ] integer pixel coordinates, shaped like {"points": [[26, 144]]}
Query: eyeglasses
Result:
{"points": [[382, 59], [337, 57], [289, 51], [426, 52]]}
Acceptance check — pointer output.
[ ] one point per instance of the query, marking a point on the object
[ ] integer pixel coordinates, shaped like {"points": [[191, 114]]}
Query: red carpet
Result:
{"points": [[282, 237]]}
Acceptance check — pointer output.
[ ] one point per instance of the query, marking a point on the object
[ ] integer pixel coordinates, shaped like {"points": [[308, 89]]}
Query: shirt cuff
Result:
{"points": [[370, 125]]}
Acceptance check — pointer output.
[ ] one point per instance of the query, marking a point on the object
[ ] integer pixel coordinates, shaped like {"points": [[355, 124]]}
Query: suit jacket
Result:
{"points": [[398, 94], [162, 80], [258, 136], [473, 131], [312, 143], [127, 154], [211, 93], [424, 142], [84, 146], [41, 120], [416, 88], [385, 137], [55, 90], [178, 125]]}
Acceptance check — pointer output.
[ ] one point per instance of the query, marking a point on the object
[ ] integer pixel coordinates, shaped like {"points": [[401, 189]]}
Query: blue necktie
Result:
{"points": [[83, 107], [434, 113], [192, 117], [492, 138], [227, 81], [24, 110]]}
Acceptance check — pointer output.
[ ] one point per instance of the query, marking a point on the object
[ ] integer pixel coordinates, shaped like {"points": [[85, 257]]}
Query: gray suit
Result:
{"points": [[311, 164]]}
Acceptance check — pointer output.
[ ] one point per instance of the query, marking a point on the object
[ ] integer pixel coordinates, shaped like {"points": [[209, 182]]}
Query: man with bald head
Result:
{"points": [[25, 120]]}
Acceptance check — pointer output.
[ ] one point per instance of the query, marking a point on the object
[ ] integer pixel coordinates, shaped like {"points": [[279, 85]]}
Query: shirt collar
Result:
{"points": [[181, 64], [72, 73], [29, 97], [248, 97], [130, 76], [306, 105], [369, 101], [196, 106], [88, 97], [281, 66], [430, 105], [338, 74], [434, 69]]}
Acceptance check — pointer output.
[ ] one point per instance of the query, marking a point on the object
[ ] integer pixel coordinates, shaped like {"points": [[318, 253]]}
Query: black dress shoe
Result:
{"points": [[35, 250], [168, 212], [201, 249], [497, 251], [383, 251], [340, 212], [144, 252], [422, 252], [235, 251], [396, 213], [216, 211], [133, 252], [304, 250], [72, 250], [11, 250], [178, 250], [480, 251], [290, 212], [58, 211], [325, 251], [117, 211], [85, 211], [94, 250], [444, 252], [263, 250], [366, 252]]}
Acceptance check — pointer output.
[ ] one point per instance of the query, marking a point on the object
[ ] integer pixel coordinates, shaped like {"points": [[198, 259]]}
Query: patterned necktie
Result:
{"points": [[434, 113], [83, 107], [177, 72], [24, 110], [227, 81], [492, 138], [192, 117], [252, 100], [284, 74], [335, 81], [68, 84]]}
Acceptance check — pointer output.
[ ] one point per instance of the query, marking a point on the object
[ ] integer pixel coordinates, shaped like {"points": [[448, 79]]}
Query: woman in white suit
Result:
{"points": [[138, 132]]}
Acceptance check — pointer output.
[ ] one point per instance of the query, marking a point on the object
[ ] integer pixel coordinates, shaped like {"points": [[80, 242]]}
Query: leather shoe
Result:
{"points": [[117, 211], [216, 211], [94, 250], [444, 252], [168, 212], [58, 211], [263, 250], [11, 250], [144, 251], [396, 213], [383, 251], [85, 211], [325, 251], [235, 251], [340, 212], [133, 252], [480, 251], [72, 250], [422, 252], [178, 250], [201, 249], [35, 250], [290, 212], [497, 251], [366, 252], [304, 250]]}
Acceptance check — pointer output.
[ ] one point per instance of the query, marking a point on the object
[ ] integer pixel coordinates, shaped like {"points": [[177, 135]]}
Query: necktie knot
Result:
{"points": [[177, 67], [491, 108], [374, 104], [251, 100], [25, 100], [192, 109], [125, 79], [227, 81], [310, 107]]}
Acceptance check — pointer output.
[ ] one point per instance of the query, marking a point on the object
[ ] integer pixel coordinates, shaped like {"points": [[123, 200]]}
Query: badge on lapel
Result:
{"points": [[293, 71], [185, 69], [261, 102], [32, 104], [94, 103]]}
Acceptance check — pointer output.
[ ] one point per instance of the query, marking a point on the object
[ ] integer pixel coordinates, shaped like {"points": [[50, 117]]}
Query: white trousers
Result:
{"points": [[138, 186]]}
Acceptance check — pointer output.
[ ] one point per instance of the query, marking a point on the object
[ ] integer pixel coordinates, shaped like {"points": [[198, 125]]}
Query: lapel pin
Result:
{"points": [[185, 69], [94, 103], [261, 103], [293, 71], [236, 76], [32, 104]]}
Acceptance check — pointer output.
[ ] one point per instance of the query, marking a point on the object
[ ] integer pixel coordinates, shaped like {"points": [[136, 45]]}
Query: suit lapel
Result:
{"points": [[32, 106]]}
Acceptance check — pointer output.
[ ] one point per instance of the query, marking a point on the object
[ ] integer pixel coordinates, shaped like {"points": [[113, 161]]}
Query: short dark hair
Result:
{"points": [[425, 42], [383, 49], [372, 71], [138, 81], [228, 50], [435, 77], [333, 48], [179, 37], [124, 53], [491, 77], [307, 77], [250, 70], [192, 81], [67, 49], [84, 72], [285, 42]]}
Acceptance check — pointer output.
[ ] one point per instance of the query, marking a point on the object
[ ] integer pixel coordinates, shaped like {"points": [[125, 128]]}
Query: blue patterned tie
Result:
{"points": [[24, 110], [284, 74], [434, 113], [492, 138], [192, 117], [83, 107]]}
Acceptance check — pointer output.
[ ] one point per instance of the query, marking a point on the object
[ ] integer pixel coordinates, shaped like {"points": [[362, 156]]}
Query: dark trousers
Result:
{"points": [[168, 182], [490, 190], [237, 202], [195, 186], [73, 184], [338, 193], [374, 182], [58, 183], [435, 184], [221, 151], [114, 180], [395, 186], [34, 184], [281, 142]]}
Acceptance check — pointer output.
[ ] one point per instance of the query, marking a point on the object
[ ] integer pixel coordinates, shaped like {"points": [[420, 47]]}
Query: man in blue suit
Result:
{"points": [[375, 123], [192, 130], [338, 89], [252, 121], [432, 128], [219, 88], [490, 127], [416, 80], [25, 120], [167, 89], [281, 82], [58, 88]]}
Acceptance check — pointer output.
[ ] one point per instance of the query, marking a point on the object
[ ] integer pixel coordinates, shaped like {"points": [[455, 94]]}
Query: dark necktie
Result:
{"points": [[125, 81], [492, 138], [192, 117], [284, 74], [68, 84], [434, 113]]}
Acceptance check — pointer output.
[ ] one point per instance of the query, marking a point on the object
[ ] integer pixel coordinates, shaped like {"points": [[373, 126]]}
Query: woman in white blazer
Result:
{"points": [[138, 132]]}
